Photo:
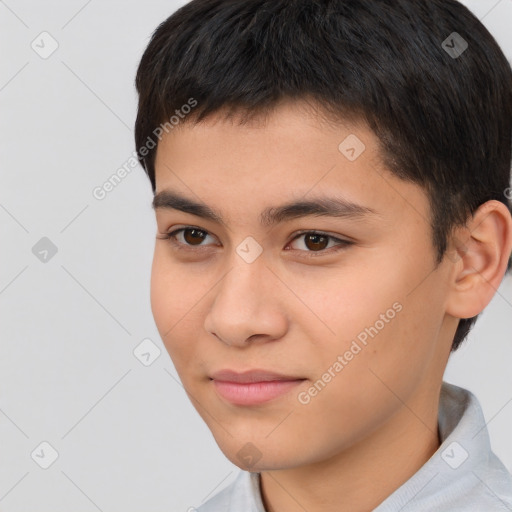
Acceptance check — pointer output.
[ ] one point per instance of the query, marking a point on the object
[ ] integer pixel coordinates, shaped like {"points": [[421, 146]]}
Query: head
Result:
{"points": [[249, 106]]}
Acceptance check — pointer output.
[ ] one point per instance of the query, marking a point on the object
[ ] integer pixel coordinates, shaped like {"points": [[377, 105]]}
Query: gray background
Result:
{"points": [[126, 435]]}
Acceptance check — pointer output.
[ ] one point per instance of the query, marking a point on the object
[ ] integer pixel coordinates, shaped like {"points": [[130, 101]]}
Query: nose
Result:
{"points": [[246, 306]]}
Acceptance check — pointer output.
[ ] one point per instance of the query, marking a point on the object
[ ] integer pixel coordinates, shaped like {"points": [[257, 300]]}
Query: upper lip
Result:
{"points": [[255, 375]]}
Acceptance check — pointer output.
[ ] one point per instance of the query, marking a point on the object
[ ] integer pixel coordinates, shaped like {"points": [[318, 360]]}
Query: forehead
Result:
{"points": [[291, 153], [297, 133]]}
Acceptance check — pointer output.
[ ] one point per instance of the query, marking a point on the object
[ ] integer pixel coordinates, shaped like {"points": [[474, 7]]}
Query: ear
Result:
{"points": [[479, 253]]}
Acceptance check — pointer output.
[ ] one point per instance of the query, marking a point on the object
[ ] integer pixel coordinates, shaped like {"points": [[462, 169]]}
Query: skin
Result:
{"points": [[375, 423]]}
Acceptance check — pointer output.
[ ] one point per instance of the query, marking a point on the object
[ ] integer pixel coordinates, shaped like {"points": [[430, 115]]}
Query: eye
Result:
{"points": [[189, 236], [318, 242], [314, 244]]}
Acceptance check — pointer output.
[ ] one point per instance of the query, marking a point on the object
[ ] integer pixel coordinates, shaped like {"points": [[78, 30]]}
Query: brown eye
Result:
{"points": [[187, 238], [312, 243], [193, 236], [316, 242]]}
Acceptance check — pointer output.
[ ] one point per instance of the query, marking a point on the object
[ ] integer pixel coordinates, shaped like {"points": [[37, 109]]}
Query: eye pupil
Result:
{"points": [[316, 240], [194, 236]]}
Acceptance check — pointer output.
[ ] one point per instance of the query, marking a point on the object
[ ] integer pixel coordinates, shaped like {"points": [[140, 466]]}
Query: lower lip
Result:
{"points": [[253, 393]]}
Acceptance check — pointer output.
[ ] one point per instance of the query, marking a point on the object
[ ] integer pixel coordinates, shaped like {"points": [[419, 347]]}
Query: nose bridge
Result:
{"points": [[245, 304], [244, 286]]}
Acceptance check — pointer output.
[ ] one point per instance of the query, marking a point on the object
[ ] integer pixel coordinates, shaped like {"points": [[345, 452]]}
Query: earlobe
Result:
{"points": [[482, 250]]}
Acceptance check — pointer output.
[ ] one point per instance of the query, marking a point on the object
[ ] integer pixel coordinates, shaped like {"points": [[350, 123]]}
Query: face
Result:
{"points": [[330, 293]]}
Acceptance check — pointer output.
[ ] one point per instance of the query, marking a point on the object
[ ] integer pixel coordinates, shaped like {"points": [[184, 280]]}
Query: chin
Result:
{"points": [[257, 457]]}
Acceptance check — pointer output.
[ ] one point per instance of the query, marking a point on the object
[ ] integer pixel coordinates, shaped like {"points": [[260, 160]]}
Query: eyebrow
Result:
{"points": [[320, 206]]}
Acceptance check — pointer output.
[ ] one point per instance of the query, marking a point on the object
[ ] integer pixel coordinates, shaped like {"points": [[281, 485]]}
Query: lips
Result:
{"points": [[251, 376], [253, 387]]}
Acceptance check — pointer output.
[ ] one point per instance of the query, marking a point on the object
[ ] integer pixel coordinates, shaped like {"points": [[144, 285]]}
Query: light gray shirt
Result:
{"points": [[462, 475]]}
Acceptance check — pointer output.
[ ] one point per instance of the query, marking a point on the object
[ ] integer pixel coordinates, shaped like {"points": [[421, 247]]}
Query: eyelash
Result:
{"points": [[342, 244]]}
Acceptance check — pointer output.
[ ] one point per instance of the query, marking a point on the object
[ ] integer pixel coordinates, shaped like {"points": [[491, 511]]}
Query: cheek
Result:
{"points": [[391, 348], [342, 303], [177, 294], [378, 320], [163, 298], [171, 300], [175, 288]]}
